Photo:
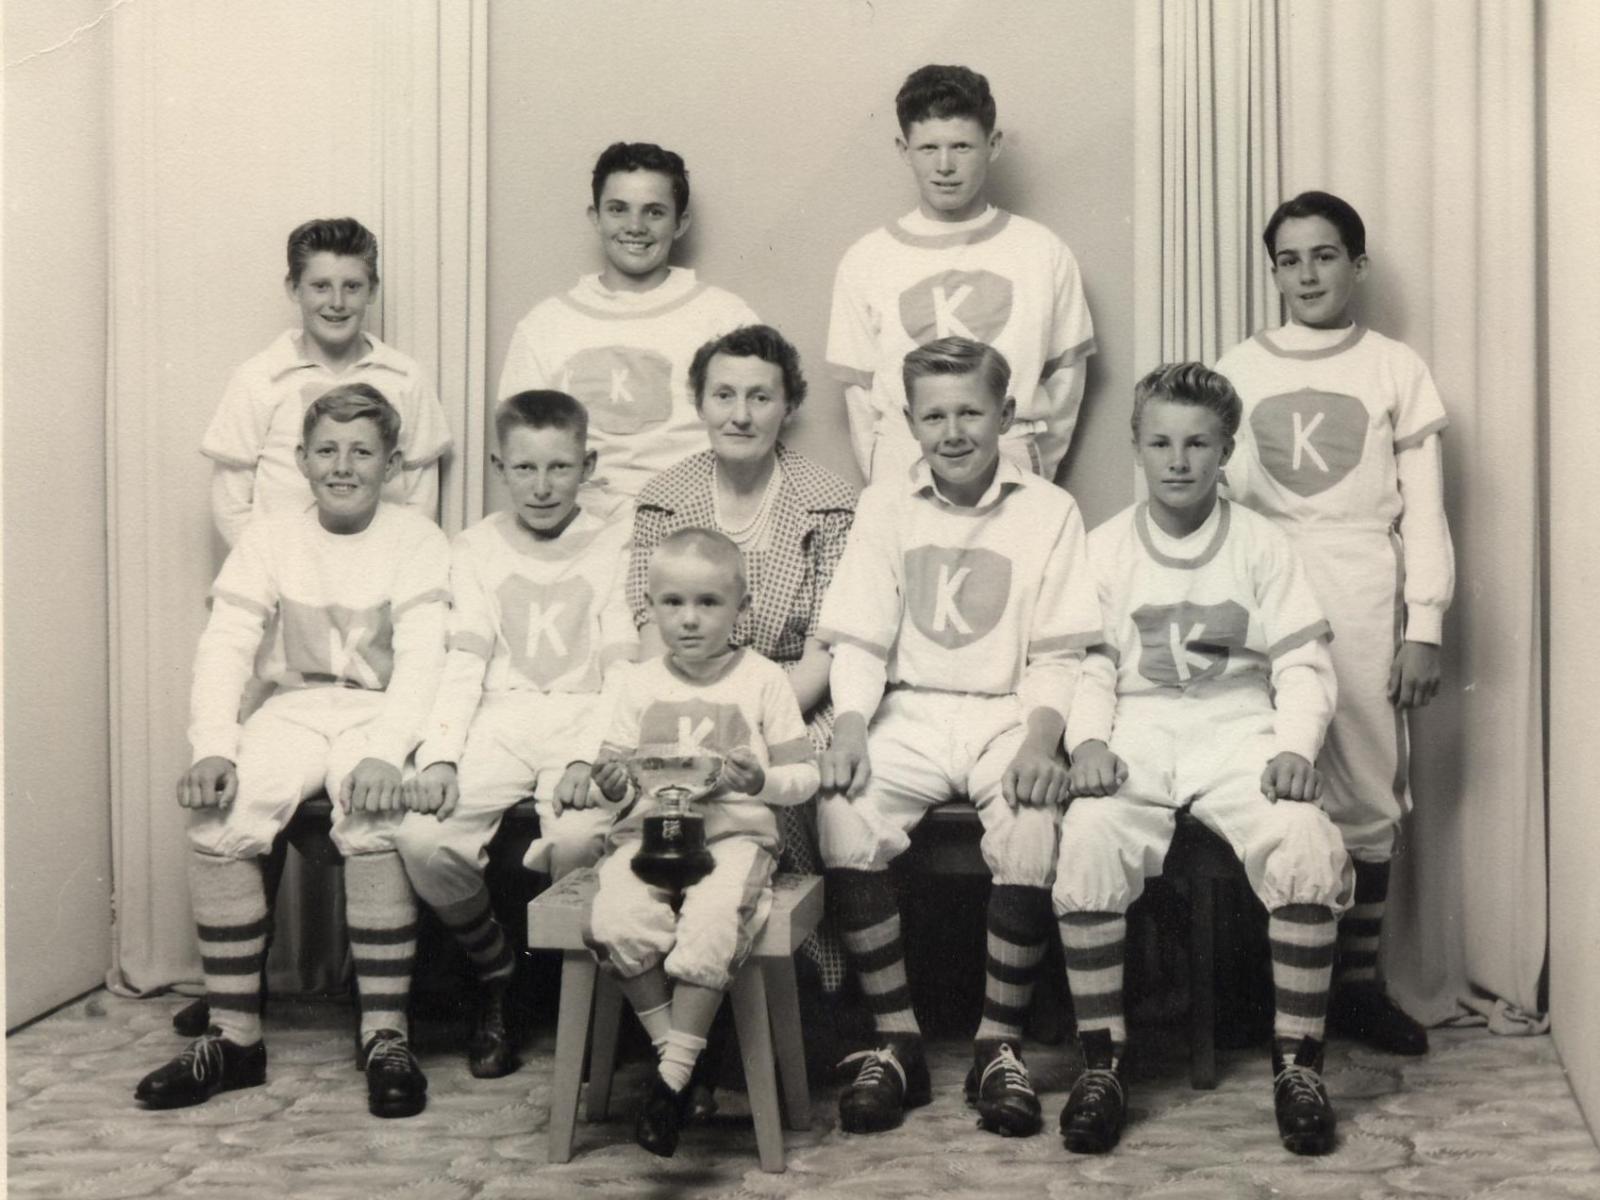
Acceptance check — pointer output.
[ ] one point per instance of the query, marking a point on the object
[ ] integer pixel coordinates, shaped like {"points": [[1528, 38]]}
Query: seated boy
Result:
{"points": [[702, 697], [538, 615], [621, 341], [1212, 692], [964, 591], [957, 265], [351, 598]]}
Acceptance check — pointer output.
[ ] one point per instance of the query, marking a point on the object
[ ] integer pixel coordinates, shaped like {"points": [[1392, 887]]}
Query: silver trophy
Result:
{"points": [[672, 853]]}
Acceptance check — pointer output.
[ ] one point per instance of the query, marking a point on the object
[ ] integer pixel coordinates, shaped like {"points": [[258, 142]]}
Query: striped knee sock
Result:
{"points": [[1301, 937], [1361, 927], [472, 923], [1094, 946], [230, 912], [382, 915], [869, 925], [1019, 924]]}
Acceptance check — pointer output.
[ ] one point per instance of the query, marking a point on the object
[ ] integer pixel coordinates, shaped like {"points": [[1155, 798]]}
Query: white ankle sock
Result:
{"points": [[678, 1058]]}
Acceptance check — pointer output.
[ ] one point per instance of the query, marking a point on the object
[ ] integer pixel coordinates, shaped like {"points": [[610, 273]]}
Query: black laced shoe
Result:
{"points": [[1305, 1116], [492, 1052], [396, 1086], [1097, 1106], [892, 1078], [999, 1088], [210, 1064], [1364, 1012], [661, 1115]]}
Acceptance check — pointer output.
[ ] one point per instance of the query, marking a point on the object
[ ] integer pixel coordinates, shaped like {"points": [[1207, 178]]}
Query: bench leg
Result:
{"points": [[783, 1004], [755, 1048], [603, 1046], [572, 1031], [1202, 985]]}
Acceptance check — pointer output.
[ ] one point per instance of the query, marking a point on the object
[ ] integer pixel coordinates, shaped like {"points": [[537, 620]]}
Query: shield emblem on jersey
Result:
{"points": [[545, 625], [356, 644], [971, 304], [625, 388], [956, 597], [1180, 644], [693, 727], [1309, 440]]}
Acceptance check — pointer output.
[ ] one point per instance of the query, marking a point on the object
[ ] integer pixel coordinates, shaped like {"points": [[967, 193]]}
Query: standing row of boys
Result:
{"points": [[952, 641]]}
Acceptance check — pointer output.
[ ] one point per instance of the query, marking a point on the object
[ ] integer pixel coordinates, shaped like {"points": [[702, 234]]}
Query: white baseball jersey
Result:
{"points": [[626, 356], [1000, 279], [995, 599], [1225, 611], [362, 610], [257, 425], [531, 614]]}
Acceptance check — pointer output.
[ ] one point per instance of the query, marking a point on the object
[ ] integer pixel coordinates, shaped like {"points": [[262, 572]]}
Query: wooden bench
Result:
{"points": [[766, 1013]]}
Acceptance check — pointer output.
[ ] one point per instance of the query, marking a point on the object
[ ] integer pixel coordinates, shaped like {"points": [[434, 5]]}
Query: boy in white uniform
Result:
{"points": [[958, 266], [958, 618], [703, 696], [354, 595], [538, 616], [1211, 692], [252, 438], [621, 341], [1341, 447]]}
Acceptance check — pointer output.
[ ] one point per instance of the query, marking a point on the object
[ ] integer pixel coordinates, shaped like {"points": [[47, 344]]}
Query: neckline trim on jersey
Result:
{"points": [[1357, 332], [1141, 521]]}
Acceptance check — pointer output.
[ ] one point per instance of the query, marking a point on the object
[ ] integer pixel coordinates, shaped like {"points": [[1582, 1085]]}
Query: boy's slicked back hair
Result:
{"points": [[957, 356], [541, 409], [1189, 383], [344, 236], [710, 544], [1339, 213], [641, 156], [351, 402], [942, 93], [751, 341]]}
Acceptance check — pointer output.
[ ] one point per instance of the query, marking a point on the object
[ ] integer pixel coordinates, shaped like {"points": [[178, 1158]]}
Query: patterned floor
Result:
{"points": [[1481, 1116]]}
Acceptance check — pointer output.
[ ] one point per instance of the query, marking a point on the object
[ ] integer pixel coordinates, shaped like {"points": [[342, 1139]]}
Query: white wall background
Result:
{"points": [[57, 780]]}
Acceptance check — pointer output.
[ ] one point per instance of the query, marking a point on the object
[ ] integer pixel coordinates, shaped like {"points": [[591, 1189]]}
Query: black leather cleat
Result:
{"points": [[492, 1052], [661, 1115], [1364, 1012], [892, 1079], [999, 1088], [396, 1086], [210, 1064], [1097, 1106], [1306, 1121]]}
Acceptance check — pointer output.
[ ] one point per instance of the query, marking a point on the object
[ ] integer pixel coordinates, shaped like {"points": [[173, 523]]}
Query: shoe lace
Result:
{"points": [[873, 1063], [1304, 1084], [1097, 1083], [389, 1052], [1015, 1075], [203, 1056]]}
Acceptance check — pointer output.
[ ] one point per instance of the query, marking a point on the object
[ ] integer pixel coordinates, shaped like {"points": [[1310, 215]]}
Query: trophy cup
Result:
{"points": [[672, 853]]}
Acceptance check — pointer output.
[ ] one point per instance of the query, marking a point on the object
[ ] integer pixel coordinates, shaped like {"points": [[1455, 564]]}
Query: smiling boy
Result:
{"points": [[620, 341], [958, 266]]}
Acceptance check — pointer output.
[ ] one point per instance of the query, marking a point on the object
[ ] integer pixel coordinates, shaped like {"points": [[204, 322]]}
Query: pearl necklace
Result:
{"points": [[752, 530]]}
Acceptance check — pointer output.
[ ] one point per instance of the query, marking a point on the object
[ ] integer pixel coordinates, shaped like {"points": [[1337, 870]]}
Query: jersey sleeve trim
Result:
{"points": [[1316, 631], [1107, 650], [244, 602], [431, 596], [1068, 357], [412, 464], [471, 643], [1412, 440], [786, 754], [850, 376], [834, 637], [228, 460], [1065, 641]]}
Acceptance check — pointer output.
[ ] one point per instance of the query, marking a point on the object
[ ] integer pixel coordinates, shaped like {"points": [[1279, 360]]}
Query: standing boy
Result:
{"points": [[352, 599], [958, 618], [1211, 692], [1341, 447], [538, 615], [621, 341], [958, 266]]}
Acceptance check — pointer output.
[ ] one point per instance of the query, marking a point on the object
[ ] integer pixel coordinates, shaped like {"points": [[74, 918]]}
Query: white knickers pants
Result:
{"points": [[632, 926], [519, 743], [1206, 749], [296, 744], [926, 748]]}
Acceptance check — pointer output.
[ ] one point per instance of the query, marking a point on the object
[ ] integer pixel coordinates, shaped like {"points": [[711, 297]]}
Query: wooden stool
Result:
{"points": [[766, 1012]]}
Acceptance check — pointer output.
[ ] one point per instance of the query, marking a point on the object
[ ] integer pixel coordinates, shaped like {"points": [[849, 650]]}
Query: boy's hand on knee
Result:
{"points": [[742, 773], [612, 777], [1414, 678], [1095, 771], [843, 766], [573, 791], [211, 783], [434, 789], [1034, 779], [374, 786], [1290, 777]]}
